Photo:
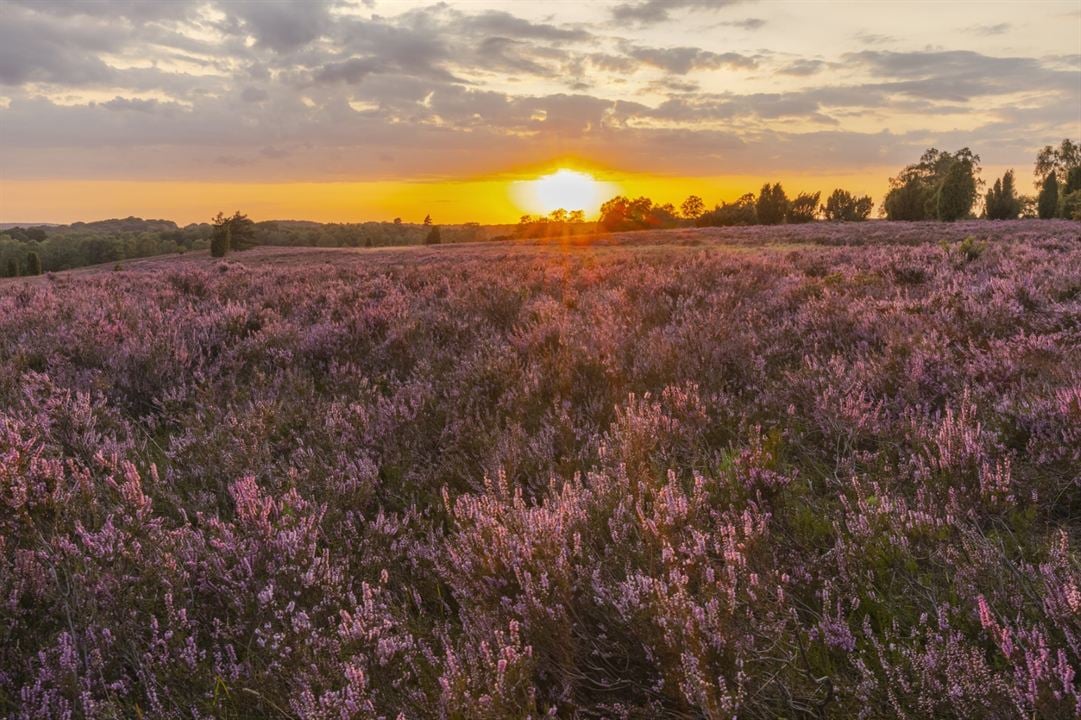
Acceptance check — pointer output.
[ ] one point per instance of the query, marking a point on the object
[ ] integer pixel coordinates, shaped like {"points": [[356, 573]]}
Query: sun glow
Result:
{"points": [[563, 189]]}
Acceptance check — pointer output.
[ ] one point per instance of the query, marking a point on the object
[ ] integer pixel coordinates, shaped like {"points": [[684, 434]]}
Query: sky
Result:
{"points": [[349, 110]]}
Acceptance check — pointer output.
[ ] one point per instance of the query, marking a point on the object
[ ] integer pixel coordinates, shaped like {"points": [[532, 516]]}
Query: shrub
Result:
{"points": [[433, 237], [12, 269], [33, 264]]}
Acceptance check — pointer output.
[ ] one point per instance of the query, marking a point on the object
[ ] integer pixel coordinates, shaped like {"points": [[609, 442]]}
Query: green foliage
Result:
{"points": [[234, 232], [804, 208], [433, 237], [843, 205], [1073, 180], [941, 186], [1002, 202], [12, 269], [33, 264], [1047, 203], [1070, 206], [956, 192], [740, 212]]}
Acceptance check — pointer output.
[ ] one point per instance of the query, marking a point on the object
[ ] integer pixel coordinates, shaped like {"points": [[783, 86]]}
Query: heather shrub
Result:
{"points": [[786, 472]]}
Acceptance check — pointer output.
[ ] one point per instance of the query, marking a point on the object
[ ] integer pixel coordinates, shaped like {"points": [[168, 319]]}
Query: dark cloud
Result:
{"points": [[281, 25]]}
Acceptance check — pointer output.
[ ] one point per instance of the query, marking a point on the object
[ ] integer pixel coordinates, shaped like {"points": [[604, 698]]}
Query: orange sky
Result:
{"points": [[486, 201]]}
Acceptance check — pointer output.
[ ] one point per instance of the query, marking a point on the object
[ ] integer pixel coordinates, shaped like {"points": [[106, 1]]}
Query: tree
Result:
{"points": [[1047, 202], [1058, 160], [621, 214], [804, 208], [956, 192], [1070, 206], [772, 205], [12, 268], [433, 237], [397, 221], [1002, 202], [231, 232], [843, 205], [427, 219], [740, 212], [1073, 180], [33, 264], [920, 192], [692, 207]]}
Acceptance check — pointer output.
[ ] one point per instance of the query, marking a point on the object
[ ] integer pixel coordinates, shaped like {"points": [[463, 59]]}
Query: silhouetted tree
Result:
{"points": [[740, 212], [692, 207], [621, 214], [433, 237], [772, 205], [803, 208], [427, 219], [1047, 202], [33, 264], [12, 268], [397, 221], [843, 205], [1001, 202]]}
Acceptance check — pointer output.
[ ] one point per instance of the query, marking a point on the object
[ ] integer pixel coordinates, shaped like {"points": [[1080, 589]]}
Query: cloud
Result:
{"points": [[658, 11], [988, 30], [682, 60], [281, 25]]}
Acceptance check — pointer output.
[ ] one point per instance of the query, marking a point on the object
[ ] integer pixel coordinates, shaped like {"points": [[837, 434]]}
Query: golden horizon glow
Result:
{"points": [[563, 189], [483, 200]]}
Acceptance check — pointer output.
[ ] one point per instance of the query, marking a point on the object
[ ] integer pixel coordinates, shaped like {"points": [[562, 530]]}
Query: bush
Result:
{"points": [[433, 237], [33, 264], [12, 269]]}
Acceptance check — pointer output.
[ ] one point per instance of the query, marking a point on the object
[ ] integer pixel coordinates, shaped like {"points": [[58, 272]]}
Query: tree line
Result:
{"points": [[943, 186]]}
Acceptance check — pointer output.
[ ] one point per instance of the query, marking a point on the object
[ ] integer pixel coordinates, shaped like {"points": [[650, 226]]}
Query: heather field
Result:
{"points": [[794, 472]]}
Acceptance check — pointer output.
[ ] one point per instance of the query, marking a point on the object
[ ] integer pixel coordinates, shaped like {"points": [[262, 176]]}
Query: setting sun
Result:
{"points": [[566, 189]]}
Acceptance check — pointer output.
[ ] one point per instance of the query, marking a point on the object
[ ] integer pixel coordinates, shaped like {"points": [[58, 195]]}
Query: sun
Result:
{"points": [[563, 189]]}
